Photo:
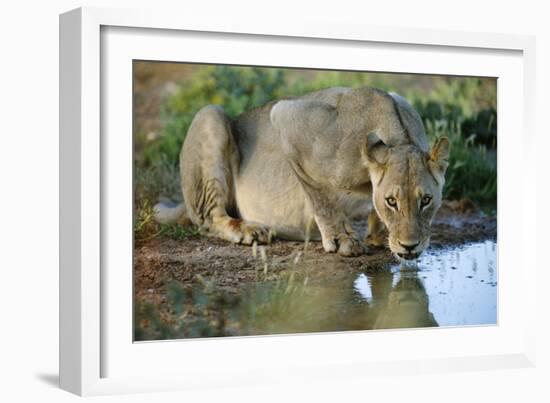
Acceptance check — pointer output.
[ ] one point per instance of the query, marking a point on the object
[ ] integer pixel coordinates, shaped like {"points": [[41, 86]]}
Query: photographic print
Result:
{"points": [[281, 200]]}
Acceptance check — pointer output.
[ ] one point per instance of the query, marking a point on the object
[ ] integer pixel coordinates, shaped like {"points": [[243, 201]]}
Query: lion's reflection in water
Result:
{"points": [[397, 300]]}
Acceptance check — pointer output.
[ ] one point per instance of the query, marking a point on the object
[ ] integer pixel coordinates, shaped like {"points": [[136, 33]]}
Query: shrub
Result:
{"points": [[236, 89], [471, 173]]}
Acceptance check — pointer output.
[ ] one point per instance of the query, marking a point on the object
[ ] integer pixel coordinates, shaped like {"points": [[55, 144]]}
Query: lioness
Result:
{"points": [[326, 158]]}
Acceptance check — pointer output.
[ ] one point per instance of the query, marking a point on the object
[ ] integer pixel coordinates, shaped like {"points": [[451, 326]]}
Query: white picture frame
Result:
{"points": [[98, 357]]}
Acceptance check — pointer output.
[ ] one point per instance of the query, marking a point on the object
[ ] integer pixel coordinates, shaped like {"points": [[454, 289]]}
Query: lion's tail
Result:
{"points": [[171, 213]]}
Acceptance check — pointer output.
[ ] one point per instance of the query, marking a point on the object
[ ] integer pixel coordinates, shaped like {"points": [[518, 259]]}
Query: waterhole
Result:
{"points": [[446, 287]]}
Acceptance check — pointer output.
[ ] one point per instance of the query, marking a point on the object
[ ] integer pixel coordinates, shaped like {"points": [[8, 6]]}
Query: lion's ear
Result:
{"points": [[375, 151], [439, 157]]}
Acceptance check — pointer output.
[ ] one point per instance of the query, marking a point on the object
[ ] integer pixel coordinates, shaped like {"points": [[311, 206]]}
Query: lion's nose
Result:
{"points": [[409, 247]]}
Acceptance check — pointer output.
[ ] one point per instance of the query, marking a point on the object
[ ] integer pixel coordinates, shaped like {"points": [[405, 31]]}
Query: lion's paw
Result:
{"points": [[345, 245], [350, 246], [254, 233], [246, 233]]}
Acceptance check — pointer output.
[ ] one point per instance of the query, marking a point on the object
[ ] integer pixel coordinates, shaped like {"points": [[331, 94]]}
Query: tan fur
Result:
{"points": [[326, 157]]}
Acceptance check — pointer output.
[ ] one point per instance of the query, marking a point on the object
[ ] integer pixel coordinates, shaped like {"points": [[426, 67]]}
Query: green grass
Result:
{"points": [[145, 226], [461, 108]]}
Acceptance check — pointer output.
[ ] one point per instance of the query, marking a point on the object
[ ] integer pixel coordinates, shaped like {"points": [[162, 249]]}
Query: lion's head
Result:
{"points": [[407, 185], [407, 305]]}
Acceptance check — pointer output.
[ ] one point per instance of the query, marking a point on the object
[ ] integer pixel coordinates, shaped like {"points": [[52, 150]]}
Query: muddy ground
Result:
{"points": [[160, 261]]}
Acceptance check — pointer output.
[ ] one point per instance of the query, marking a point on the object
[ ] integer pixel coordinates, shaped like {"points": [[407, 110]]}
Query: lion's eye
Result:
{"points": [[425, 201], [390, 201]]}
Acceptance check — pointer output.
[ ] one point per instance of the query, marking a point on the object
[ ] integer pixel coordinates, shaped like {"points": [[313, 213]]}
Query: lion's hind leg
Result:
{"points": [[208, 161]]}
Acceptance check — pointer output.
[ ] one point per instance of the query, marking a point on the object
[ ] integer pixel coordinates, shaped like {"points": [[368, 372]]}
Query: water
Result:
{"points": [[452, 287]]}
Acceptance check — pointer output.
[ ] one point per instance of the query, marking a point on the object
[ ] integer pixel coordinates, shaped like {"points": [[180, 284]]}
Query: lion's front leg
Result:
{"points": [[336, 231]]}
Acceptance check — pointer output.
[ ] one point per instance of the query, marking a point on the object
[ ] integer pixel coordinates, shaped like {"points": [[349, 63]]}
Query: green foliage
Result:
{"points": [[466, 95], [236, 89], [471, 172]]}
